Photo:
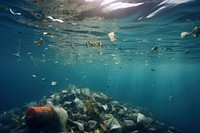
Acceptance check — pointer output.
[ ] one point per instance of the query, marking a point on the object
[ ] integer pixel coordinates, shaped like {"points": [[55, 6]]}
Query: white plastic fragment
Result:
{"points": [[78, 91], [14, 12], [40, 42], [73, 91], [136, 131], [17, 55], [121, 112], [57, 98], [185, 34], [104, 96], [55, 20], [114, 102], [80, 125], [86, 92], [44, 79], [113, 109], [129, 123], [113, 124], [92, 124], [53, 83], [170, 98], [64, 91], [112, 36], [63, 117], [34, 76], [46, 33], [75, 24], [79, 103], [49, 102], [140, 117], [67, 103], [76, 100], [53, 95], [105, 107], [125, 108]]}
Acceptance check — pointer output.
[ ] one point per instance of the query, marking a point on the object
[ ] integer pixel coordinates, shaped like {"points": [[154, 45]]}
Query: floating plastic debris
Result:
{"points": [[100, 53], [17, 55], [34, 76], [64, 91], [113, 55], [29, 53], [96, 44], [125, 39], [40, 42], [14, 12], [159, 39], [185, 34], [154, 49], [195, 32], [112, 37], [173, 59], [46, 33], [55, 20], [44, 79], [170, 98], [117, 62], [53, 83], [187, 51]]}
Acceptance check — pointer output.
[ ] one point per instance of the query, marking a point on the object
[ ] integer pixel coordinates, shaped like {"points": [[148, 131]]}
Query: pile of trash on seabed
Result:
{"points": [[80, 110]]}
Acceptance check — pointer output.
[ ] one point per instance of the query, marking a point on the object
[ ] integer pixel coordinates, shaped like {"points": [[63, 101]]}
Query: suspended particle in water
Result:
{"points": [[34, 76], [53, 83]]}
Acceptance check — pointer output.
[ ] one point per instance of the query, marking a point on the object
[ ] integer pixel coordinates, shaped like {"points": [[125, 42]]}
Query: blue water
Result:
{"points": [[130, 72]]}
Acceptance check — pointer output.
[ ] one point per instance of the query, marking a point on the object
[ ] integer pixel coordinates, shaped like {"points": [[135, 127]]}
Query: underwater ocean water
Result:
{"points": [[148, 65]]}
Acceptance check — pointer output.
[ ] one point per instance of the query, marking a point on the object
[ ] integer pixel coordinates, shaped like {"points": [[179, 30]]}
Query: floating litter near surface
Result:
{"points": [[17, 55], [112, 36], [46, 33], [184, 34], [55, 20], [40, 42], [14, 12], [53, 83]]}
